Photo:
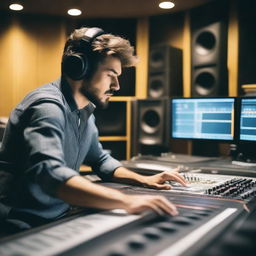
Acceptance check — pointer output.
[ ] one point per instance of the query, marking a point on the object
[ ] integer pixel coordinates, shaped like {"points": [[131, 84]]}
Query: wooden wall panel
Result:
{"points": [[30, 50], [6, 67], [186, 56], [233, 44], [142, 52]]}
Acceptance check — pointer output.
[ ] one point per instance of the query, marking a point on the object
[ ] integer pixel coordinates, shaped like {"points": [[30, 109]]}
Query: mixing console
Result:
{"points": [[216, 185], [160, 235], [116, 233], [237, 187], [217, 216]]}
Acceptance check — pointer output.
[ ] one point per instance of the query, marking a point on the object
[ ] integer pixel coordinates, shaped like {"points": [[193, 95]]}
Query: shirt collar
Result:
{"points": [[89, 108], [67, 92]]}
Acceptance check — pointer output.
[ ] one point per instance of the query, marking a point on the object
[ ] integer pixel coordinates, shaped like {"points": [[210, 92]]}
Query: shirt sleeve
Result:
{"points": [[101, 162], [44, 138]]}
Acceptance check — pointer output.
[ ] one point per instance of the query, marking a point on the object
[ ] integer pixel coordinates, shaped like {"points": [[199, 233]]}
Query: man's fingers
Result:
{"points": [[180, 179], [162, 186], [159, 204], [166, 206], [174, 176], [155, 208]]}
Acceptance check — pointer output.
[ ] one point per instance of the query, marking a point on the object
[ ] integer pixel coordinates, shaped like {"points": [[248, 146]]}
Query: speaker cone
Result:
{"points": [[150, 121], [205, 43], [204, 83], [156, 86], [157, 59]]}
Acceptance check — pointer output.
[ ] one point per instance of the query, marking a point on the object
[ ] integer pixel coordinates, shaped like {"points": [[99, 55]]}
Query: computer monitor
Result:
{"points": [[244, 150], [203, 118], [247, 119]]}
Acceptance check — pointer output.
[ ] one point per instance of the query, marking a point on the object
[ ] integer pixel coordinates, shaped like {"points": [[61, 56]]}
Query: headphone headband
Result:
{"points": [[92, 33]]}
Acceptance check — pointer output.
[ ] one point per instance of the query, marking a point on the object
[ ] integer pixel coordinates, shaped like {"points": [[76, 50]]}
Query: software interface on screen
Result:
{"points": [[204, 118], [248, 119]]}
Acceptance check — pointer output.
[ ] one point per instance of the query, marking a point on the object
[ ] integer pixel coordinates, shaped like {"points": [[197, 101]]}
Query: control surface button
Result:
{"points": [[152, 233], [193, 217], [137, 242], [116, 254], [181, 220], [202, 213], [167, 227]]}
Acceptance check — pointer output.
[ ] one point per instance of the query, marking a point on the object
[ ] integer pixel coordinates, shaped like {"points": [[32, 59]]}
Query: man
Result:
{"points": [[52, 132]]}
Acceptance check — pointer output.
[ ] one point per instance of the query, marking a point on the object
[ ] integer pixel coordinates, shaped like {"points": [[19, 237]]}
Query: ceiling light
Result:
{"points": [[74, 12], [16, 7], [166, 4]]}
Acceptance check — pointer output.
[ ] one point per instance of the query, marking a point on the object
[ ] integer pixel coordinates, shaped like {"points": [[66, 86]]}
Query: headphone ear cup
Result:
{"points": [[78, 65], [75, 66]]}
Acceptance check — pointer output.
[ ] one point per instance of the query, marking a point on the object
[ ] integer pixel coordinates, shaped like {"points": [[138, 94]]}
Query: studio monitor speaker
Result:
{"points": [[209, 60], [150, 121], [165, 71]]}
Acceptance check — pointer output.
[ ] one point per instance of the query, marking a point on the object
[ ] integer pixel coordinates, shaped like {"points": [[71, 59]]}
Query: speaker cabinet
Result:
{"points": [[112, 121], [165, 71], [150, 121], [209, 60]]}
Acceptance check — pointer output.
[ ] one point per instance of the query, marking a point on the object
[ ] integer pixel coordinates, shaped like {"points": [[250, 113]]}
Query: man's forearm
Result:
{"points": [[124, 175], [79, 191]]}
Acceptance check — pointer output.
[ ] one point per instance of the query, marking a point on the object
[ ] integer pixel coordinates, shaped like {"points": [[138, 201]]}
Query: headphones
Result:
{"points": [[78, 64]]}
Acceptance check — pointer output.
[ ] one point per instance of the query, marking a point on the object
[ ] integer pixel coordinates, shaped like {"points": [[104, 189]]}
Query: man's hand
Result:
{"points": [[140, 203], [158, 181]]}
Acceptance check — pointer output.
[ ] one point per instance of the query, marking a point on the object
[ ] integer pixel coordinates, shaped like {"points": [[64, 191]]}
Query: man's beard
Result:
{"points": [[91, 95]]}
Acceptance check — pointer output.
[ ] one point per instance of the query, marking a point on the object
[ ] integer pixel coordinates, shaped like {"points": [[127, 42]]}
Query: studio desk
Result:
{"points": [[217, 217]]}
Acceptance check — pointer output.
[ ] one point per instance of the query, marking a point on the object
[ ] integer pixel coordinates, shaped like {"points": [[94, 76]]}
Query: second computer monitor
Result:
{"points": [[248, 119], [203, 118]]}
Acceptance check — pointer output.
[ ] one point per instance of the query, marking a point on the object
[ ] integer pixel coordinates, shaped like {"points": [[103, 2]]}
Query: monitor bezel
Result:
{"points": [[234, 140]]}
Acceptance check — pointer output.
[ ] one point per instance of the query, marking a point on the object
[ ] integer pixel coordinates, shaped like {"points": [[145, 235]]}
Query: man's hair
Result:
{"points": [[101, 47]]}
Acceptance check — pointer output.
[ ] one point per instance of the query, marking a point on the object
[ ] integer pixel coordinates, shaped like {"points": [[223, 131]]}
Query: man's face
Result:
{"points": [[104, 82]]}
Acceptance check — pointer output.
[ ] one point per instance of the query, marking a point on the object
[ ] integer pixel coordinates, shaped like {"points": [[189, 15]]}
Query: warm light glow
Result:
{"points": [[74, 12], [16, 7], [166, 5]]}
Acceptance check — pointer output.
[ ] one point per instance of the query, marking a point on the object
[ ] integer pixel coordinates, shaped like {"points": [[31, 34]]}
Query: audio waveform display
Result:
{"points": [[203, 118]]}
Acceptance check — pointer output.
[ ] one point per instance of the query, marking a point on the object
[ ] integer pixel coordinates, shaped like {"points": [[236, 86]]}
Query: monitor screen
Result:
{"points": [[203, 118], [248, 119]]}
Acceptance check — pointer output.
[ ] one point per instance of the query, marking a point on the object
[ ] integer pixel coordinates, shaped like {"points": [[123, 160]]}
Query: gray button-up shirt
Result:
{"points": [[46, 140]]}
